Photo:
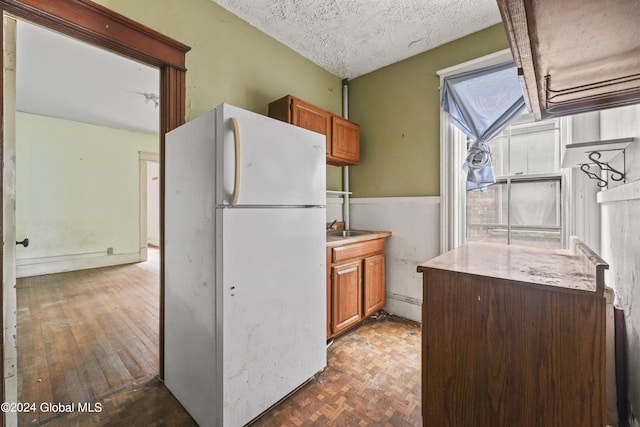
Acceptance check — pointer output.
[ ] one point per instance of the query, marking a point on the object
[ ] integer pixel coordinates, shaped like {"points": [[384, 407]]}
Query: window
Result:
{"points": [[524, 207], [523, 167]]}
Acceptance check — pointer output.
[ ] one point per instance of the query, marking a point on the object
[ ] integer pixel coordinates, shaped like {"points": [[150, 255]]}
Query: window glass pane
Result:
{"points": [[532, 208], [500, 154], [537, 238], [535, 203], [486, 215], [520, 209], [534, 150], [484, 233]]}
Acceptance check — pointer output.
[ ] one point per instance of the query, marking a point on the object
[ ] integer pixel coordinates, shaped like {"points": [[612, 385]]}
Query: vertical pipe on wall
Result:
{"points": [[345, 169]]}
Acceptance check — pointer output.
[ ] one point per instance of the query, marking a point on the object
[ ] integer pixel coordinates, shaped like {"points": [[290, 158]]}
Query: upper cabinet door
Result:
{"points": [[310, 117], [342, 136], [345, 144]]}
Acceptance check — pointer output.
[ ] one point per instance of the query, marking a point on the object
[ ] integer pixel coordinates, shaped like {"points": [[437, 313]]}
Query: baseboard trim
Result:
{"points": [[41, 266], [406, 299], [404, 306]]}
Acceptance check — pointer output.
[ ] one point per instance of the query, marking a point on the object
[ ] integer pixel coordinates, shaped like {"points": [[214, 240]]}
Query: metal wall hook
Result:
{"points": [[585, 168], [616, 175], [24, 243]]}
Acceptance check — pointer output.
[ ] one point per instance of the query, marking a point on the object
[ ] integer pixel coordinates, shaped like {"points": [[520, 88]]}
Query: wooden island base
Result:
{"points": [[513, 336]]}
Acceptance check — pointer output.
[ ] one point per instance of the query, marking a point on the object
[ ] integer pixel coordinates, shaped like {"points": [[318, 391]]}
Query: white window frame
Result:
{"points": [[453, 212]]}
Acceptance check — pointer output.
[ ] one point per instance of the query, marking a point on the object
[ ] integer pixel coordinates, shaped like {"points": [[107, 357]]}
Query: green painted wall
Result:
{"points": [[233, 62], [77, 187], [398, 109]]}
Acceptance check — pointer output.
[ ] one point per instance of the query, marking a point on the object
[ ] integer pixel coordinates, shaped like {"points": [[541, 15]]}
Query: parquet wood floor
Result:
{"points": [[92, 337], [372, 379]]}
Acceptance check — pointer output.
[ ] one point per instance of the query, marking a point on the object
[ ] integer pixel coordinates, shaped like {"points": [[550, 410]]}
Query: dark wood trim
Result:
{"points": [[172, 107], [97, 25]]}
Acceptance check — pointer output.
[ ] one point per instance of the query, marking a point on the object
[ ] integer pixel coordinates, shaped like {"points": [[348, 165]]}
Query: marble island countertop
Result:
{"points": [[575, 268]]}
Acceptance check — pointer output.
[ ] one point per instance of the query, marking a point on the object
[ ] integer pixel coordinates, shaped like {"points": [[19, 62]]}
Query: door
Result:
{"points": [[374, 287], [345, 144], [272, 287], [277, 163], [153, 204], [347, 295], [310, 117]]}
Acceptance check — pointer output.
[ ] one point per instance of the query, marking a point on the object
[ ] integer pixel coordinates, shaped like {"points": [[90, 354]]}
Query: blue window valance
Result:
{"points": [[482, 103]]}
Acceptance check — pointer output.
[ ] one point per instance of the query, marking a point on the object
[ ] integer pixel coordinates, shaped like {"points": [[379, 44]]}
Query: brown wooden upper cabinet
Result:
{"points": [[343, 136]]}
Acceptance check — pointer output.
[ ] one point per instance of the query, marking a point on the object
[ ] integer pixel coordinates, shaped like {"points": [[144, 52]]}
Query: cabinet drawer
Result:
{"points": [[356, 250]]}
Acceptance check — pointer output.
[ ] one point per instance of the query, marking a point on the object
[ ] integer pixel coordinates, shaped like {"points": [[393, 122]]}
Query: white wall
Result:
{"points": [[334, 208], [621, 240], [77, 194], [584, 215], [415, 225]]}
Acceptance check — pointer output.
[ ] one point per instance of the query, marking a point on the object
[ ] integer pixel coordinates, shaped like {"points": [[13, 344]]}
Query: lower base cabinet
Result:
{"points": [[355, 284], [346, 295]]}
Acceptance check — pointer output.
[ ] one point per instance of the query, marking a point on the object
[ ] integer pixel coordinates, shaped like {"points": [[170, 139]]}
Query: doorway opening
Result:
{"points": [[95, 24], [87, 319], [83, 118]]}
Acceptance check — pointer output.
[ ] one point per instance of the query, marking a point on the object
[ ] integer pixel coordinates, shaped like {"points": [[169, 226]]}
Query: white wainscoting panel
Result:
{"points": [[415, 224], [334, 208]]}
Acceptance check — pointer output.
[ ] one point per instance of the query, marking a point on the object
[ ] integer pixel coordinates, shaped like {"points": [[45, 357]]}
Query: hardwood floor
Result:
{"points": [[91, 337]]}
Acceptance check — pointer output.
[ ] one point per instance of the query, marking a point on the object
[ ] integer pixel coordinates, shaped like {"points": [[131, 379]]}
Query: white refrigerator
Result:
{"points": [[245, 278]]}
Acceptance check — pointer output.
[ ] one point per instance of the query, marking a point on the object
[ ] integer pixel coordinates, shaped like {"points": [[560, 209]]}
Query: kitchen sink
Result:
{"points": [[346, 233]]}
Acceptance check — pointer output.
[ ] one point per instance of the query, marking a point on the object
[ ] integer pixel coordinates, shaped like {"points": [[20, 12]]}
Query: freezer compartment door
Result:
{"points": [[268, 162], [274, 306]]}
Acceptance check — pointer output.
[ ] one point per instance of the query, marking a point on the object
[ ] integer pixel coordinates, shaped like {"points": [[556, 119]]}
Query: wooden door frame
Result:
{"points": [[99, 26]]}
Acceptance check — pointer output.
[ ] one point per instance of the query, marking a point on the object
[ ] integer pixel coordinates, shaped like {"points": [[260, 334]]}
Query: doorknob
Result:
{"points": [[24, 243]]}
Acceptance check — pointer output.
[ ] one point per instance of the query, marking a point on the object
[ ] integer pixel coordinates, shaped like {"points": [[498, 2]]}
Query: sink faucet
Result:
{"points": [[330, 227]]}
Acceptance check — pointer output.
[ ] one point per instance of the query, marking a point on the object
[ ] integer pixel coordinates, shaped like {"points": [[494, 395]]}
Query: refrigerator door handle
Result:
{"points": [[236, 141]]}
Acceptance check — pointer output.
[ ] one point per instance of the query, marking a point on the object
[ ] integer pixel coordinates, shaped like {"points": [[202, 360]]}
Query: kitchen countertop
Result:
{"points": [[333, 241], [575, 268]]}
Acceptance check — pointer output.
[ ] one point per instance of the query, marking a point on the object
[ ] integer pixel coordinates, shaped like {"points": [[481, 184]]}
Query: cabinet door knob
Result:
{"points": [[24, 243]]}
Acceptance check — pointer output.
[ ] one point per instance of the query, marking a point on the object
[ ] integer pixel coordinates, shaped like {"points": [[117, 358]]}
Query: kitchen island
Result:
{"points": [[513, 336]]}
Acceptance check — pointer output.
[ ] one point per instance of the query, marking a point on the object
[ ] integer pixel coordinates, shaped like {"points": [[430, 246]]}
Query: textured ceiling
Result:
{"points": [[353, 37], [61, 77]]}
